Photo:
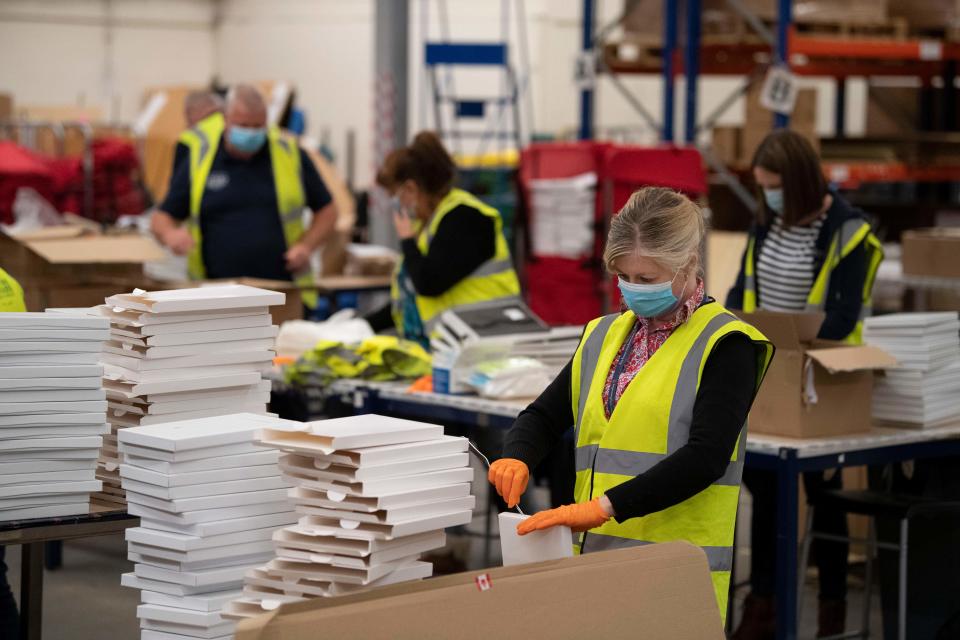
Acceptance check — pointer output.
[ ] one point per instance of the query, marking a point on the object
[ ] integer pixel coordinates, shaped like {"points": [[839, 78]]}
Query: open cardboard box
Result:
{"points": [[814, 388], [670, 597]]}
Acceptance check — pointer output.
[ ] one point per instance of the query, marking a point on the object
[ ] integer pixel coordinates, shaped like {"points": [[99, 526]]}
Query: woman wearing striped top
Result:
{"points": [[800, 224]]}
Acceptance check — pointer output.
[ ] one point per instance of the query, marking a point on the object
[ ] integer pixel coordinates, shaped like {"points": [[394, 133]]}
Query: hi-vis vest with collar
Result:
{"points": [[203, 141], [650, 422], [850, 235], [492, 280]]}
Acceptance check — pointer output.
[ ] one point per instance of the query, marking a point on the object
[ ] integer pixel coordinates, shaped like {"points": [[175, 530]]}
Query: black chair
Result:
{"points": [[874, 504]]}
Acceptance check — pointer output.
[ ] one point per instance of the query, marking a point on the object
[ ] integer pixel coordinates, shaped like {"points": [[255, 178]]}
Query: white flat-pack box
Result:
{"points": [[297, 587], [341, 473], [50, 444], [100, 334], [190, 631], [356, 547], [183, 351], [371, 488], [216, 579], [255, 458], [23, 502], [182, 373], [199, 337], [206, 360], [207, 490], [208, 298], [318, 571], [123, 418], [247, 561], [50, 384], [51, 395], [346, 528], [180, 542], [392, 516], [391, 454], [200, 434], [538, 546], [148, 406], [213, 323], [146, 320], [43, 466], [80, 430], [335, 499], [197, 477], [40, 320], [208, 502], [51, 511], [227, 555], [51, 419], [326, 436], [201, 602], [116, 383], [209, 515], [294, 546], [44, 477], [27, 360], [49, 489], [189, 454], [17, 347], [23, 374], [34, 408], [272, 521], [134, 581]]}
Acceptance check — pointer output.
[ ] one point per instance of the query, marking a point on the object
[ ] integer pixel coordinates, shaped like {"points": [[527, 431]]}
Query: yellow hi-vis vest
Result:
{"points": [[203, 141], [11, 294], [650, 422], [492, 280], [845, 240]]}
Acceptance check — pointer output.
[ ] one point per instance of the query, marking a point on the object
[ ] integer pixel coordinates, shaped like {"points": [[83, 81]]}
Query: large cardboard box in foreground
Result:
{"points": [[932, 252], [658, 591], [814, 388]]}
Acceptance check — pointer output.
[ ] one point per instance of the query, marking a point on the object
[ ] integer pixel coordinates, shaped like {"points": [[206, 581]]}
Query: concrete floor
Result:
{"points": [[85, 594]]}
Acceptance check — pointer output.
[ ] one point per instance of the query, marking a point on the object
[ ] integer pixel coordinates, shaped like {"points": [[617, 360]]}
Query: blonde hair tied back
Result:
{"points": [[659, 223]]}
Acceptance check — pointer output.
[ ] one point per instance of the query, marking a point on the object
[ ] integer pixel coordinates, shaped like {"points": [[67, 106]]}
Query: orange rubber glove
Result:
{"points": [[510, 477], [579, 517]]}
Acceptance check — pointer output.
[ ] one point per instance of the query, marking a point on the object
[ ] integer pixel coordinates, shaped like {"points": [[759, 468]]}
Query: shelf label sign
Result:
{"points": [[585, 70], [779, 92], [931, 50]]}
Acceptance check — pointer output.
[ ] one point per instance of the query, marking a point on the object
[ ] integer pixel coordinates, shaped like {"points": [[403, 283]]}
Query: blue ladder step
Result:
{"points": [[474, 53]]}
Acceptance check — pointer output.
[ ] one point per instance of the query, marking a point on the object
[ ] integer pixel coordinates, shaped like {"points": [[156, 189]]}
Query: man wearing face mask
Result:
{"points": [[236, 208]]}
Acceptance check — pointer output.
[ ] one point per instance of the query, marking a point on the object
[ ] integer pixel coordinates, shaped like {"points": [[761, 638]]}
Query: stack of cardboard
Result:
{"points": [[52, 413], [374, 493], [209, 500], [563, 215], [183, 354], [923, 390]]}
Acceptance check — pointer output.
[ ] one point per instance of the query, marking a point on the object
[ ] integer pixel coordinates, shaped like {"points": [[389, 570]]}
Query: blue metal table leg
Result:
{"points": [[788, 480]]}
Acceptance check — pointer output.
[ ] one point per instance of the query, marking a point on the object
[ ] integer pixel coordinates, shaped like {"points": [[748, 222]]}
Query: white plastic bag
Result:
{"points": [[299, 336]]}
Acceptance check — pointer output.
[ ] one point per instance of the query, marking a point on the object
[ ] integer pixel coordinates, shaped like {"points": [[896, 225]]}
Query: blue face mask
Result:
{"points": [[774, 198], [247, 139], [649, 300]]}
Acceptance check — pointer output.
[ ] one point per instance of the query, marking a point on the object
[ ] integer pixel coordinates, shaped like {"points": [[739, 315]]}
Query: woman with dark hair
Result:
{"points": [[809, 250], [454, 250]]}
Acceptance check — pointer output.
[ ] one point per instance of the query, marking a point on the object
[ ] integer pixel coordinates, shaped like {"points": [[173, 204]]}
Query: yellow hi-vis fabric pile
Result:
{"points": [[380, 359]]}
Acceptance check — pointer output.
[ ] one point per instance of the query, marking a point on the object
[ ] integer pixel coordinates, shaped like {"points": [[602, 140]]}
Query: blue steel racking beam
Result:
{"points": [[784, 22], [692, 68], [669, 85], [586, 94]]}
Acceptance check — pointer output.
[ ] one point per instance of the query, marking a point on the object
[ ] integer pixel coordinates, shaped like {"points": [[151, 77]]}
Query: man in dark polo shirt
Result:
{"points": [[234, 224]]}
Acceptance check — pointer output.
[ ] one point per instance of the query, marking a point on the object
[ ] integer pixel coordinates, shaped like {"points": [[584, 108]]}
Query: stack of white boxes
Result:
{"points": [[209, 501], [373, 494], [52, 413], [923, 390], [183, 354]]}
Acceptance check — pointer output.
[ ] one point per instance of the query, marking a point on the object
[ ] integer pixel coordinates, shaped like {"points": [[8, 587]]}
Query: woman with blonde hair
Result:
{"points": [[658, 397]]}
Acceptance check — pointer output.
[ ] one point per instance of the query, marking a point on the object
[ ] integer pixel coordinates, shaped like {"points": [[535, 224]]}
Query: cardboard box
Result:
{"points": [[6, 106], [671, 598], [758, 122], [932, 252], [813, 388], [926, 14]]}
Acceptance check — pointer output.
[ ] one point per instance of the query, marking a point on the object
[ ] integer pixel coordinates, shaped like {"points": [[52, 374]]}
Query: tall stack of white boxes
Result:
{"points": [[209, 500], [52, 413], [183, 354], [373, 494], [922, 391]]}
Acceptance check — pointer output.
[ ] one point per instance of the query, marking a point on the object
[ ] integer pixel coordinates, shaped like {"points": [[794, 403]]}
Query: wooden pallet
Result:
{"points": [[892, 29]]}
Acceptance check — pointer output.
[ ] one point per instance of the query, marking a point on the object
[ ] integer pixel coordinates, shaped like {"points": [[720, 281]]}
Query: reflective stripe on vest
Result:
{"points": [[203, 141], [495, 279], [651, 421], [850, 235]]}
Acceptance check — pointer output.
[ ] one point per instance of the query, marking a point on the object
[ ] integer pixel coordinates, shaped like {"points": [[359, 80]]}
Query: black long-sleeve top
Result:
{"points": [[465, 239], [727, 389]]}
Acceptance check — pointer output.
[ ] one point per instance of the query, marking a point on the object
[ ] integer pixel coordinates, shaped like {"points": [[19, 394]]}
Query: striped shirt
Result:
{"points": [[786, 266]]}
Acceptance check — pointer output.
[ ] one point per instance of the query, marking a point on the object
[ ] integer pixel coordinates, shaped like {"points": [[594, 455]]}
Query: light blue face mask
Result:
{"points": [[774, 198], [247, 139], [649, 300]]}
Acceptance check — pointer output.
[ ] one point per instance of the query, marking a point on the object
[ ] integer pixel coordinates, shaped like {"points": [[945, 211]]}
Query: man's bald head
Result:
{"points": [[246, 107], [199, 105]]}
